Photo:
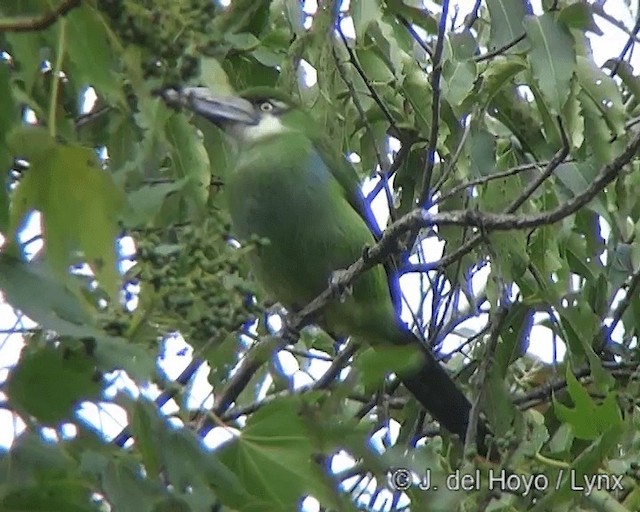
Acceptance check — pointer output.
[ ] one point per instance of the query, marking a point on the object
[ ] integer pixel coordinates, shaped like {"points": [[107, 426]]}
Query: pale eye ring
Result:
{"points": [[265, 106]]}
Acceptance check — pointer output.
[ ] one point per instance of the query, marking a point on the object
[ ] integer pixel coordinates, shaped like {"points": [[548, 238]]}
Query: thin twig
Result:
{"points": [[499, 51], [486, 364], [33, 24], [436, 73]]}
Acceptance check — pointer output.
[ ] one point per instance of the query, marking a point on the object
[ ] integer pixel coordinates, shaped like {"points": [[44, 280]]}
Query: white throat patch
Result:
{"points": [[268, 125]]}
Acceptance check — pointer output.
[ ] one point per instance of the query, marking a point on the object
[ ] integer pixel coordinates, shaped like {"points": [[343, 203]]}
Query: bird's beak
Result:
{"points": [[213, 107]]}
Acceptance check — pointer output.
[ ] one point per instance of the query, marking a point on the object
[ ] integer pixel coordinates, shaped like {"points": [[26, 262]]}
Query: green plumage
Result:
{"points": [[282, 190], [290, 185]]}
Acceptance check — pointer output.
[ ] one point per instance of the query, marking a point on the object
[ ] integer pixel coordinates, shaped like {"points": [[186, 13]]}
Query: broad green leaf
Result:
{"points": [[420, 17], [273, 458], [48, 383], [498, 73], [146, 202], [363, 13], [213, 76], [604, 93], [390, 51], [579, 16], [90, 54], [125, 488], [575, 179], [459, 78], [46, 299], [552, 58], [597, 135], [506, 23], [79, 202], [588, 418], [586, 465], [377, 363], [482, 152], [118, 354]]}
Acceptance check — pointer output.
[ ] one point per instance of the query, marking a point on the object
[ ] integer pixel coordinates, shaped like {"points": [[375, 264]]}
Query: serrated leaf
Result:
{"points": [[603, 92], [597, 135], [552, 58], [80, 207], [273, 458], [190, 160], [588, 418]]}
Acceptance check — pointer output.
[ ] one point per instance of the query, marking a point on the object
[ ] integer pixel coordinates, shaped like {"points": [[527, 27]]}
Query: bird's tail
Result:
{"points": [[440, 396]]}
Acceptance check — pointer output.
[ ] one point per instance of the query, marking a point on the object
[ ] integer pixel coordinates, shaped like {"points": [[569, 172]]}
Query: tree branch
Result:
{"points": [[32, 24]]}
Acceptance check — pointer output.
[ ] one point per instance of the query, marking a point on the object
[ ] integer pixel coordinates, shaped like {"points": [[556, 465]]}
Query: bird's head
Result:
{"points": [[252, 115]]}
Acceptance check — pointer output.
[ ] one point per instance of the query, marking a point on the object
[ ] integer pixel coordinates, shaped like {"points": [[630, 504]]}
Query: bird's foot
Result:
{"points": [[338, 289]]}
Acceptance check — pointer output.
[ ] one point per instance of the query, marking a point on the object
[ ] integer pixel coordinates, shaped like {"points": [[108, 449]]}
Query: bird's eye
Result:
{"points": [[266, 106]]}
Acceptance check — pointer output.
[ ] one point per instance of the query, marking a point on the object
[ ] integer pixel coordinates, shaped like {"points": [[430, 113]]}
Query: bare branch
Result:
{"points": [[436, 73]]}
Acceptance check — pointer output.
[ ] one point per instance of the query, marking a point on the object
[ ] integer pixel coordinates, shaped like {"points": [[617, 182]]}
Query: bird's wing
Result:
{"points": [[346, 176]]}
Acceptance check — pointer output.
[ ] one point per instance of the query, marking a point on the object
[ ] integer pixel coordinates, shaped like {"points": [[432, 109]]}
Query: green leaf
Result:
{"points": [[597, 135], [482, 152], [459, 78], [212, 75], [363, 13], [572, 118], [588, 418], [68, 377], [146, 202], [499, 72], [374, 364], [420, 17], [273, 458], [90, 55], [552, 58], [579, 16], [38, 293], [118, 354], [417, 91], [190, 161], [79, 202], [576, 177], [603, 92], [506, 23]]}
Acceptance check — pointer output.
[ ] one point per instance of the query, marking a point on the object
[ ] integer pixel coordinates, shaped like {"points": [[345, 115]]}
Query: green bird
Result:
{"points": [[290, 185]]}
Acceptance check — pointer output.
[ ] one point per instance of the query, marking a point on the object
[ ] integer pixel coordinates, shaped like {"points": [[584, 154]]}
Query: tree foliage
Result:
{"points": [[506, 155]]}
